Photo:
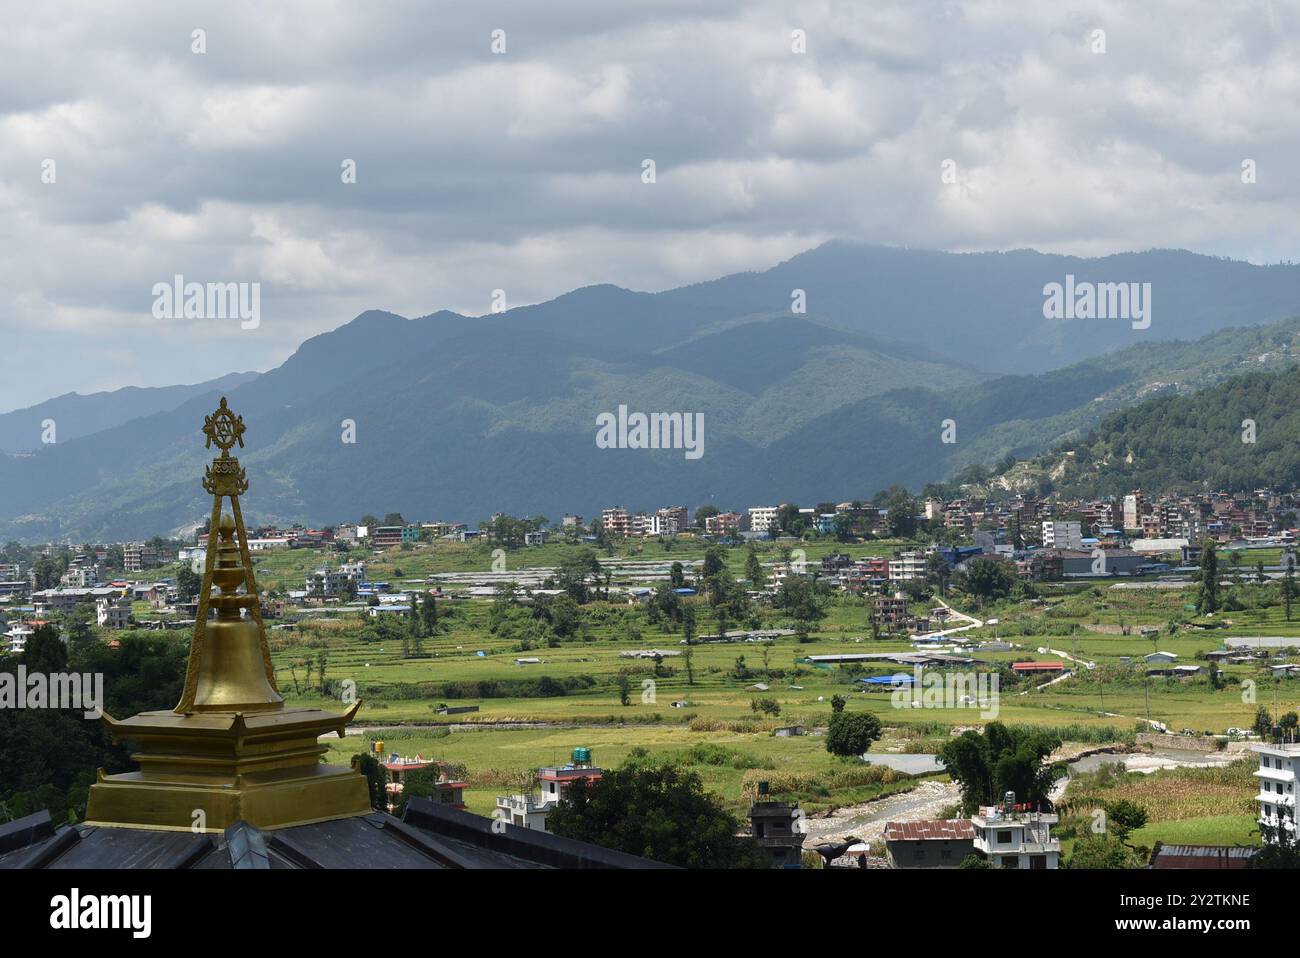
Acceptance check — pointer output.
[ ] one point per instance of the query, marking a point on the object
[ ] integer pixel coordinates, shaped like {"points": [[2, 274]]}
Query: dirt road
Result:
{"points": [[867, 821]]}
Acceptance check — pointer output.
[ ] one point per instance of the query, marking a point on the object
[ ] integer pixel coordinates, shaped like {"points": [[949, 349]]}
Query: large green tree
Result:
{"points": [[802, 599], [754, 569], [188, 582], [851, 733], [1207, 595], [986, 580], [999, 760], [901, 508], [656, 811], [48, 756], [579, 574]]}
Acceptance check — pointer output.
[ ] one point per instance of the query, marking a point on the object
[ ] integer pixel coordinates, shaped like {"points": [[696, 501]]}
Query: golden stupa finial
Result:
{"points": [[231, 750], [223, 428], [230, 660]]}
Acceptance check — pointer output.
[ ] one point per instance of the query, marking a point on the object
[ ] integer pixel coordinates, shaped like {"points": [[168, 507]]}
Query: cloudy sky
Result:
{"points": [[522, 170]]}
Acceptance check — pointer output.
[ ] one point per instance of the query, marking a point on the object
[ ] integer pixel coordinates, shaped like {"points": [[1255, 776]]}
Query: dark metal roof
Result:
{"points": [[1204, 856], [427, 836]]}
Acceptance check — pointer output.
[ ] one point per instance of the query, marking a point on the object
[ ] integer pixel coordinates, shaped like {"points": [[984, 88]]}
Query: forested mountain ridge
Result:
{"points": [[1241, 434]]}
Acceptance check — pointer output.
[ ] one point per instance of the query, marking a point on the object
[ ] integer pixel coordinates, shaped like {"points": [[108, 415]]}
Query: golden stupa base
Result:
{"points": [[208, 770]]}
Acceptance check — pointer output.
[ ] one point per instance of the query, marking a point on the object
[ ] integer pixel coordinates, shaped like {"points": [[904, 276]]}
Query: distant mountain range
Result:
{"points": [[460, 417], [75, 415]]}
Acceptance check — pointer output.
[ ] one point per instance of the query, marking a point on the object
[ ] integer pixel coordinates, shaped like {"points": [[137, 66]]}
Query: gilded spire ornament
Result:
{"points": [[220, 673], [230, 750]]}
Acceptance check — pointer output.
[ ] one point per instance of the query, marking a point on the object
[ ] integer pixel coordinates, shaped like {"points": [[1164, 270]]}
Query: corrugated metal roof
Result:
{"points": [[1203, 856], [951, 829]]}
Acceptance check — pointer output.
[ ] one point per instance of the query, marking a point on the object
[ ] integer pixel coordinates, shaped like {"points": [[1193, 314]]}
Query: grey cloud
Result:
{"points": [[523, 171]]}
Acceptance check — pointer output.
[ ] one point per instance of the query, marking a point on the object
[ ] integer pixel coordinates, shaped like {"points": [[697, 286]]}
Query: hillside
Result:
{"points": [[78, 415], [460, 417], [456, 423], [1176, 442]]}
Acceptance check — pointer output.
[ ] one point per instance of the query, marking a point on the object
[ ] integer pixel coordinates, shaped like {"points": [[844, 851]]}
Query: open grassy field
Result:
{"points": [[729, 763], [1090, 621]]}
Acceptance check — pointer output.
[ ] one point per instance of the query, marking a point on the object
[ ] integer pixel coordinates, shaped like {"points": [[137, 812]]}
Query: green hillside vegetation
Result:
{"points": [[1183, 443], [1100, 386]]}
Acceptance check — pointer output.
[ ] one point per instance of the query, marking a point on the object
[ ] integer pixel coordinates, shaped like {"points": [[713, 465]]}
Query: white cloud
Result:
{"points": [[522, 171]]}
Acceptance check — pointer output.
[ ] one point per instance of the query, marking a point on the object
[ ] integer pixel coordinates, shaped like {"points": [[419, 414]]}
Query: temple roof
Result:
{"points": [[428, 835]]}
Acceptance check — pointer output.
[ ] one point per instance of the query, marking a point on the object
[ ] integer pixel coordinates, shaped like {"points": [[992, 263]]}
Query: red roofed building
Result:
{"points": [[941, 843], [1026, 668], [449, 792]]}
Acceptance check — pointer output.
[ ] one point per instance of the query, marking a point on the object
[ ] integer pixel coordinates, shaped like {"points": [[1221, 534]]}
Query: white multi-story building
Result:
{"points": [[327, 582], [357, 570], [65, 600], [616, 522], [672, 520], [195, 556], [530, 810], [908, 565], [1133, 503], [17, 638], [113, 613], [83, 573], [762, 518], [1062, 535], [138, 556], [1278, 762], [1191, 528], [1012, 837]]}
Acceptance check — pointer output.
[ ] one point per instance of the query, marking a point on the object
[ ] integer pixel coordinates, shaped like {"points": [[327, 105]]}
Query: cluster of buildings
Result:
{"points": [[754, 522], [1006, 835], [450, 789], [1214, 515], [1039, 539], [111, 602], [618, 522]]}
